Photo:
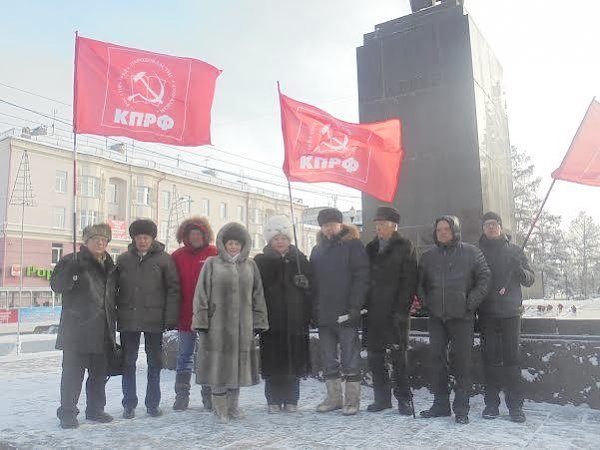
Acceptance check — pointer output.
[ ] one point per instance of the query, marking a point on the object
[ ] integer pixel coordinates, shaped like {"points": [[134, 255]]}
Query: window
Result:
{"points": [[223, 210], [88, 217], [258, 241], [186, 203], [257, 216], [205, 207], [240, 213], [58, 217], [57, 252], [166, 200], [113, 193], [60, 183], [90, 186], [142, 195], [163, 230]]}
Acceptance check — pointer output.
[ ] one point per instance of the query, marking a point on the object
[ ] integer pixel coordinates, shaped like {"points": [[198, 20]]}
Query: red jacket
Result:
{"points": [[189, 262]]}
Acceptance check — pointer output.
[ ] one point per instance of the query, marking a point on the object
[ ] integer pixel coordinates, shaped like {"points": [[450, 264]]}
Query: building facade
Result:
{"points": [[115, 188]]}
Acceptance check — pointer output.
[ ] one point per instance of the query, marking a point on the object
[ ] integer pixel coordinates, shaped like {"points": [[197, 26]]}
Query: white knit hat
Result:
{"points": [[278, 225]]}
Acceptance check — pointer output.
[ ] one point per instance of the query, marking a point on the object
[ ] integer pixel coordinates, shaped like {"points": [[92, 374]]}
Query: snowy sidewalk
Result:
{"points": [[30, 389]]}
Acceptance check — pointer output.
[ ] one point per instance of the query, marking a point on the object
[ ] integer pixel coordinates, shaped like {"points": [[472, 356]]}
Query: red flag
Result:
{"points": [[581, 164], [319, 147], [147, 96]]}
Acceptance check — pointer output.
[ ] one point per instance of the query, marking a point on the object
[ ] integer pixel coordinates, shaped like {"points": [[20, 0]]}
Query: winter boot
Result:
{"points": [[273, 409], [98, 416], [440, 408], [233, 404], [405, 407], [182, 391], [207, 398], [69, 421], [461, 418], [290, 408], [490, 412], [383, 400], [334, 398], [220, 407], [351, 398], [517, 415]]}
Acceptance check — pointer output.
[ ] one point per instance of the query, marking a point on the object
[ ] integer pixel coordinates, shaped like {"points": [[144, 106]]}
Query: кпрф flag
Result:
{"points": [[120, 91], [581, 164], [319, 147]]}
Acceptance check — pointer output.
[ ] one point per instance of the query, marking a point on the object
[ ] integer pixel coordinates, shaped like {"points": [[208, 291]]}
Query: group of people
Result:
{"points": [[220, 301]]}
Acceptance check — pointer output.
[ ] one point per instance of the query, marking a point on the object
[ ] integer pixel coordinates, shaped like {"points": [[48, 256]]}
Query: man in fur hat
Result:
{"points": [[148, 302], [341, 277], [196, 235], [87, 324], [393, 285]]}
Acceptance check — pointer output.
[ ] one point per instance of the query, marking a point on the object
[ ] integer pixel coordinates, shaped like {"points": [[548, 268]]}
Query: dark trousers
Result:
{"points": [[349, 343], [130, 342], [451, 346], [73, 371], [282, 390], [383, 386], [501, 358]]}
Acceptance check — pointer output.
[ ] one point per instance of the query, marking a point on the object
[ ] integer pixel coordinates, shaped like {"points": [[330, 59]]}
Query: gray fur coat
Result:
{"points": [[229, 306]]}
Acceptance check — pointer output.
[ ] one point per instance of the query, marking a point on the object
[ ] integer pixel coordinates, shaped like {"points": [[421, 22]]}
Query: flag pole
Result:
{"points": [[294, 226], [537, 216], [75, 147]]}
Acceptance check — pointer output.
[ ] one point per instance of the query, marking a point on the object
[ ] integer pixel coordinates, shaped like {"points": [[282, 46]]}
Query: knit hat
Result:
{"points": [[100, 229], [387, 213], [143, 226], [491, 216], [277, 225], [329, 215], [235, 234]]}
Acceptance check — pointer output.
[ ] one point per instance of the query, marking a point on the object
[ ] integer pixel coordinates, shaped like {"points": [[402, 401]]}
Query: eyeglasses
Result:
{"points": [[491, 224], [99, 239]]}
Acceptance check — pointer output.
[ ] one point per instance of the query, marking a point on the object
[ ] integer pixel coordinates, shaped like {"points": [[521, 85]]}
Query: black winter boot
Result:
{"points": [[207, 398], [440, 408], [98, 416], [383, 399], [490, 412], [517, 415], [182, 391], [404, 407], [67, 422]]}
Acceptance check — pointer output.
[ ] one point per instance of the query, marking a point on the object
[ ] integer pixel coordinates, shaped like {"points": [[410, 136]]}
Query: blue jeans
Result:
{"points": [[347, 338], [131, 345], [185, 351]]}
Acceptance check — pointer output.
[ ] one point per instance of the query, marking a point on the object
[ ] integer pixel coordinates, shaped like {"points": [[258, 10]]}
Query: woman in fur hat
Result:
{"points": [[229, 310], [284, 348], [196, 236]]}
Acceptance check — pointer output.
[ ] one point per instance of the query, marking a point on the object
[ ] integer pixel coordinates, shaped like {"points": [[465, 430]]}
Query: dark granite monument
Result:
{"points": [[434, 70]]}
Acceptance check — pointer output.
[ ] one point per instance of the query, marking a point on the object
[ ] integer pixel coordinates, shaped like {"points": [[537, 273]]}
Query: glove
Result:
{"points": [[353, 318], [301, 281], [257, 332]]}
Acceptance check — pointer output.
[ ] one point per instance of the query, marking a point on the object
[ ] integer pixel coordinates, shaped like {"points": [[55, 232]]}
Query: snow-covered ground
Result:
{"points": [[586, 309], [29, 386]]}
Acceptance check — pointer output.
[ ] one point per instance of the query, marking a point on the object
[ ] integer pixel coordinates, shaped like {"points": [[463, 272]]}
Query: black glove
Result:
{"points": [[301, 281], [257, 332]]}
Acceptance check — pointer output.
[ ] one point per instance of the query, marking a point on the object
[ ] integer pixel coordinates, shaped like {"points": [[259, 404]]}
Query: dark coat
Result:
{"points": [[148, 295], [341, 274], [229, 307], [510, 269], [284, 348], [87, 319], [453, 278], [393, 285]]}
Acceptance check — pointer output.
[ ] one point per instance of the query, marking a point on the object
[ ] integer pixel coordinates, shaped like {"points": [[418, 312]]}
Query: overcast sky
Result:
{"points": [[548, 49]]}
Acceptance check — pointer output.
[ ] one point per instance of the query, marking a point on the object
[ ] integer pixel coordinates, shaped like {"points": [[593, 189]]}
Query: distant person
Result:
{"points": [[453, 281], [87, 324], [500, 318]]}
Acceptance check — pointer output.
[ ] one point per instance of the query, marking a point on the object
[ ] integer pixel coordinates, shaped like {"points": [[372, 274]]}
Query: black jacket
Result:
{"points": [[393, 280], [284, 347], [510, 269], [453, 278], [87, 319], [149, 295], [341, 274]]}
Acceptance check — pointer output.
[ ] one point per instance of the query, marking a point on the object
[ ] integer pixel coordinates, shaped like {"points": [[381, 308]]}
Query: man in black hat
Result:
{"points": [[393, 285], [341, 277], [453, 281], [148, 302], [500, 318]]}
